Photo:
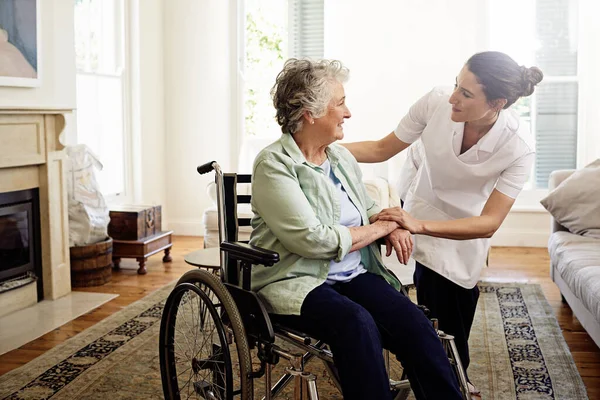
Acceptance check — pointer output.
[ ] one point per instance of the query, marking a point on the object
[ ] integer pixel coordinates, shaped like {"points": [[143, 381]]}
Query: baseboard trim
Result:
{"points": [[523, 229], [186, 227], [520, 238]]}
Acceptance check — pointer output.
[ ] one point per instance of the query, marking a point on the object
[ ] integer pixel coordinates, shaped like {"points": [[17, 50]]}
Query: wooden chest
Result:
{"points": [[133, 222]]}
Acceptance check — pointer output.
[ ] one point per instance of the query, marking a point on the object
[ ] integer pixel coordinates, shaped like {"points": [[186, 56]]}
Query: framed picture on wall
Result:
{"points": [[20, 43]]}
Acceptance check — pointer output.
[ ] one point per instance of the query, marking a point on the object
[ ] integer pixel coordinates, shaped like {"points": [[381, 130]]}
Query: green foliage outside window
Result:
{"points": [[265, 53]]}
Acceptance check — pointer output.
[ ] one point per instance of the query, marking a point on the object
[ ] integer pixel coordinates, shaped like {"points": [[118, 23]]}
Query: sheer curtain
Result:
{"points": [[273, 31]]}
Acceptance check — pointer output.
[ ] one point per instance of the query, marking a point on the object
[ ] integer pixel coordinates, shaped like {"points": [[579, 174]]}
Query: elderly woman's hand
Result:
{"points": [[402, 218], [401, 240]]}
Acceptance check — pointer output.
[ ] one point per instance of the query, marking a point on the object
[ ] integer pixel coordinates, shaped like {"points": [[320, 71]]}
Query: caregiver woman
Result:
{"points": [[477, 157]]}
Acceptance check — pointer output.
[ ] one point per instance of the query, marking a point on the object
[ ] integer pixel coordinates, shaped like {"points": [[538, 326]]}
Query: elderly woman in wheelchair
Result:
{"points": [[312, 270], [311, 207]]}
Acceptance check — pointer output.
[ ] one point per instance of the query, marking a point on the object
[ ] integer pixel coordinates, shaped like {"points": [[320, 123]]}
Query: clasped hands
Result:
{"points": [[400, 239]]}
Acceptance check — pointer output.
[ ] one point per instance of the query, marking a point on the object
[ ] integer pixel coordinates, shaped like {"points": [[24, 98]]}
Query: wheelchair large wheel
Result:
{"points": [[204, 351]]}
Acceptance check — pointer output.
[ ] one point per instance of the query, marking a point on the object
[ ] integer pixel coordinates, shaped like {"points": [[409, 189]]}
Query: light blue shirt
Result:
{"points": [[350, 266]]}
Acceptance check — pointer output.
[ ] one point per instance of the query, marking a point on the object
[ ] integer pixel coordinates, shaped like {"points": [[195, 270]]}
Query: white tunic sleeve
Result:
{"points": [[412, 125], [513, 178]]}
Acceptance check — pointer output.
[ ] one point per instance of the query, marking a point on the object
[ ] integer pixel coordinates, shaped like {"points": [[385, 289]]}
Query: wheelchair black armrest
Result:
{"points": [[251, 254]]}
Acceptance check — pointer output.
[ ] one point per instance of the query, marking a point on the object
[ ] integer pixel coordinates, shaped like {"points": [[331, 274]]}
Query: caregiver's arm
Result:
{"points": [[408, 131], [494, 212], [374, 151], [483, 226]]}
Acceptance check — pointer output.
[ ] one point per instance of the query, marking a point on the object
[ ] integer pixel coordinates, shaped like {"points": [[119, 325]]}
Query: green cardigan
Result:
{"points": [[297, 214]]}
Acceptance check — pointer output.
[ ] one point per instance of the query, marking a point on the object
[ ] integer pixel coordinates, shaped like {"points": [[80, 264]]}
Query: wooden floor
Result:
{"points": [[507, 264]]}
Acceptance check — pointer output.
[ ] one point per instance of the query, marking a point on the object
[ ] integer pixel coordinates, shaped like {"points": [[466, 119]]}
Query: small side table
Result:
{"points": [[209, 259], [142, 249]]}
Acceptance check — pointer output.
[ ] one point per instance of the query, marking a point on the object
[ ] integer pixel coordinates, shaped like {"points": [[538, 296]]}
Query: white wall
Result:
{"points": [[589, 66], [197, 99], [396, 52], [148, 142], [57, 66]]}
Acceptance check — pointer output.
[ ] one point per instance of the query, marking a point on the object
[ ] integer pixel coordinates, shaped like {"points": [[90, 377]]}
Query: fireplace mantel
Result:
{"points": [[32, 156]]}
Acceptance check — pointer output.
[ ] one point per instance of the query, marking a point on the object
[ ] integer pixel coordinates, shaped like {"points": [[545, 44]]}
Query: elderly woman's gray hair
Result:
{"points": [[305, 85]]}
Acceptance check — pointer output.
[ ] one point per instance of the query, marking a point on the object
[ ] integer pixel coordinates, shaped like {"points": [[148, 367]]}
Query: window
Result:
{"points": [[551, 43], [101, 82], [306, 27], [265, 50], [272, 31]]}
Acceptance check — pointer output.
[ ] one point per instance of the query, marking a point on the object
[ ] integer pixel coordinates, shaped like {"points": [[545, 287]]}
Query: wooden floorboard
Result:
{"points": [[507, 264]]}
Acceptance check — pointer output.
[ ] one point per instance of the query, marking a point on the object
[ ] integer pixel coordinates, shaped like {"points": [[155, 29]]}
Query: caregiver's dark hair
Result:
{"points": [[502, 78]]}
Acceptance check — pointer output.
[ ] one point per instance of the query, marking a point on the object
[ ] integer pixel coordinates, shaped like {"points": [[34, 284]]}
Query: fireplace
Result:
{"points": [[32, 158], [20, 245]]}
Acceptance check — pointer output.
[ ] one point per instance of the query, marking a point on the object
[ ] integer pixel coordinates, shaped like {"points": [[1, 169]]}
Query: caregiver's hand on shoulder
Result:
{"points": [[402, 242], [402, 218]]}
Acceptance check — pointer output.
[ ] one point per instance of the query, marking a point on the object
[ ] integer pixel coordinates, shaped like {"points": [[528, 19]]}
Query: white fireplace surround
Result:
{"points": [[32, 156]]}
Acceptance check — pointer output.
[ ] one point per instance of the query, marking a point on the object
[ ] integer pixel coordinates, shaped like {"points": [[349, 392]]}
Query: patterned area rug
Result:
{"points": [[517, 352]]}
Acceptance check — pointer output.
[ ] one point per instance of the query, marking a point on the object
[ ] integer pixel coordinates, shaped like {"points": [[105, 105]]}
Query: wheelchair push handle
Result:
{"points": [[206, 168]]}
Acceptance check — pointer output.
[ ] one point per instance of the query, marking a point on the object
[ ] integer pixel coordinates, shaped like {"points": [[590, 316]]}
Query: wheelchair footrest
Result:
{"points": [[292, 333]]}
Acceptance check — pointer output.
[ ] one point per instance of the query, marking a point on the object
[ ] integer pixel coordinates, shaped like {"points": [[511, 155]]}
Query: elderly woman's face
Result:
{"points": [[331, 123]]}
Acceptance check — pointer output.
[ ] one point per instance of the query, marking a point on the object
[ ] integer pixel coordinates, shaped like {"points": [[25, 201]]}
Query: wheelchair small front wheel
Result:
{"points": [[204, 351], [398, 377]]}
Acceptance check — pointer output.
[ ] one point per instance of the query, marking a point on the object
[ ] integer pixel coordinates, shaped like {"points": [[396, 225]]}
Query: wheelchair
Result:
{"points": [[212, 321]]}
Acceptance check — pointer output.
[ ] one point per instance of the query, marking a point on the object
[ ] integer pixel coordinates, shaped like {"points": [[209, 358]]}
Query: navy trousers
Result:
{"points": [[453, 306], [357, 319]]}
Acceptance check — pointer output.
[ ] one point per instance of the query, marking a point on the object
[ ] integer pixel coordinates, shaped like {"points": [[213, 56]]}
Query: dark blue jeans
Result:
{"points": [[357, 319], [453, 306]]}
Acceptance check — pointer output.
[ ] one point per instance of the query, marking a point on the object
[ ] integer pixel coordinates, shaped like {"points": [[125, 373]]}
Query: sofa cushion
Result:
{"points": [[577, 259], [575, 203], [379, 191]]}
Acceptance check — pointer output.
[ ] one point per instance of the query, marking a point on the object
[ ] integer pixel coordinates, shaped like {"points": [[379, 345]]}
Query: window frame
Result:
{"points": [[123, 73], [529, 198]]}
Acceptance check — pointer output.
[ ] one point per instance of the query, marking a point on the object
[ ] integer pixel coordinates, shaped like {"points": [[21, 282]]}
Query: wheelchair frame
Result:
{"points": [[241, 321]]}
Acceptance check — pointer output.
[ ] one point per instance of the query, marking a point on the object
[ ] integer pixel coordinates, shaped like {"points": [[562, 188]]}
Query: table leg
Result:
{"points": [[142, 269], [167, 257], [116, 263]]}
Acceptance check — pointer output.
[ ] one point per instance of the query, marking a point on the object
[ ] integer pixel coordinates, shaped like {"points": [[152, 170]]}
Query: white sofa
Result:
{"points": [[575, 268], [378, 188]]}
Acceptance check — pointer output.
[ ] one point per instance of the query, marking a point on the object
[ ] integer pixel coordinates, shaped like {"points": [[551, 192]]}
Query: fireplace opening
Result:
{"points": [[20, 244]]}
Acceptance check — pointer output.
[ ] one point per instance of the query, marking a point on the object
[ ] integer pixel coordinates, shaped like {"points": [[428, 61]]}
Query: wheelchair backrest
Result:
{"points": [[231, 221], [254, 315]]}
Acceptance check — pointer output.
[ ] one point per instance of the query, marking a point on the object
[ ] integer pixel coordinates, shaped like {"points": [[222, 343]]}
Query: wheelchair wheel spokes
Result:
{"points": [[200, 360], [200, 354], [197, 359]]}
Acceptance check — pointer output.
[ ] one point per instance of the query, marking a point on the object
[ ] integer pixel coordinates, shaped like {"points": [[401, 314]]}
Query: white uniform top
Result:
{"points": [[408, 171], [449, 185]]}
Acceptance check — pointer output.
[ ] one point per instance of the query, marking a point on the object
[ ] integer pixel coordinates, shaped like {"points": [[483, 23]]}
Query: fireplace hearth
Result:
{"points": [[20, 245]]}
